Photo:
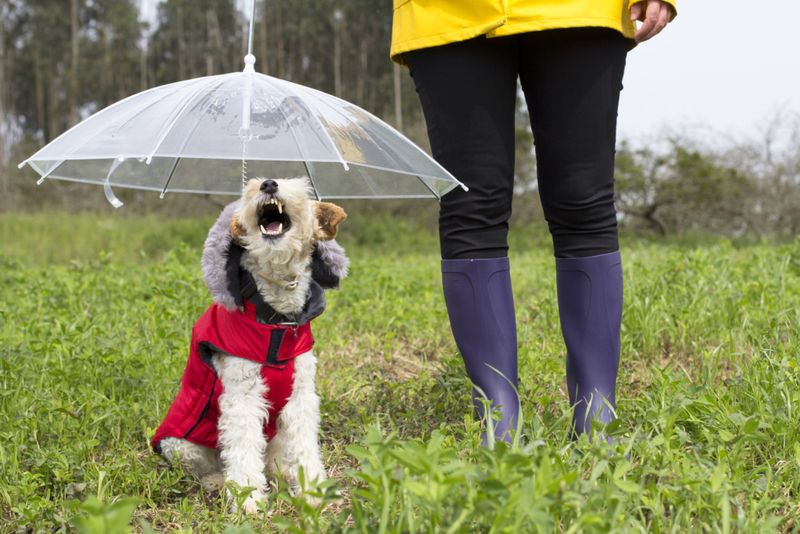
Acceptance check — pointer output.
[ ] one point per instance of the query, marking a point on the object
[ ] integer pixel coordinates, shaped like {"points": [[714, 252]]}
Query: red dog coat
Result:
{"points": [[194, 413]]}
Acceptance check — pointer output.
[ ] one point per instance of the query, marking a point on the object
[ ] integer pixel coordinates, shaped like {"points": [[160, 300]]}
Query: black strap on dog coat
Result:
{"points": [[242, 285]]}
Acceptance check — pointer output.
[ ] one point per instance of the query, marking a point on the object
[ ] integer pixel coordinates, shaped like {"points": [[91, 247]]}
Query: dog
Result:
{"points": [[247, 404]]}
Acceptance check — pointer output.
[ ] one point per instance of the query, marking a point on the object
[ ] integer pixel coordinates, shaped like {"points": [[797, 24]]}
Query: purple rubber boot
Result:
{"points": [[590, 307], [481, 309]]}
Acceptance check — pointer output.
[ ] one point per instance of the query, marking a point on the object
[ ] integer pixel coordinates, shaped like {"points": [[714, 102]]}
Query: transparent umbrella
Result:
{"points": [[206, 135]]}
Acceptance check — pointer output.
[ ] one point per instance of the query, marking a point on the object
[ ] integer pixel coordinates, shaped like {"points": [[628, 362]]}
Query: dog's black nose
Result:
{"points": [[269, 186]]}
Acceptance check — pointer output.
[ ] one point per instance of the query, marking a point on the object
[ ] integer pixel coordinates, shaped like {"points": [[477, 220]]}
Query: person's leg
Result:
{"points": [[572, 80], [468, 93]]}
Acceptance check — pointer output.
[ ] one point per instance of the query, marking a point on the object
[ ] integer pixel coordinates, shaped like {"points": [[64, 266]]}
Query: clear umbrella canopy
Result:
{"points": [[194, 136]]}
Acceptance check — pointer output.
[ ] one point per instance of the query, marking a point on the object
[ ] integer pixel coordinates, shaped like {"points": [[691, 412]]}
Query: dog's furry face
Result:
{"points": [[276, 221]]}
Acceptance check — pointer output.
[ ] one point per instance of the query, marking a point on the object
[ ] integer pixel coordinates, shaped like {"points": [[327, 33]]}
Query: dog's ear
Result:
{"points": [[237, 230], [328, 216]]}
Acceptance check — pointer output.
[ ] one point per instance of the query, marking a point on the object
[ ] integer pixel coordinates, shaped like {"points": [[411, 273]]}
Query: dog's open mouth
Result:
{"points": [[273, 219]]}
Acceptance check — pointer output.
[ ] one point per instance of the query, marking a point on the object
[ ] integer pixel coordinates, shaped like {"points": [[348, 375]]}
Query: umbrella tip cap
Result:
{"points": [[249, 61]]}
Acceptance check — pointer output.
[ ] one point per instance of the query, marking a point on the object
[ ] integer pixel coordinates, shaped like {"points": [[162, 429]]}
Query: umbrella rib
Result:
{"points": [[294, 136], [144, 108], [289, 126], [178, 159], [381, 145], [378, 142], [177, 116], [48, 173], [368, 180], [131, 115], [308, 102], [169, 178], [313, 185], [429, 188], [33, 157]]}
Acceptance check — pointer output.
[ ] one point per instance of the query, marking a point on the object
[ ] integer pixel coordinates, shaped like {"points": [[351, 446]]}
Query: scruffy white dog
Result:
{"points": [[247, 404]]}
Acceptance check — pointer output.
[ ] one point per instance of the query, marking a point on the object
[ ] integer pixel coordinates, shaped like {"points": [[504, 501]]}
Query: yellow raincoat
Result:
{"points": [[426, 23]]}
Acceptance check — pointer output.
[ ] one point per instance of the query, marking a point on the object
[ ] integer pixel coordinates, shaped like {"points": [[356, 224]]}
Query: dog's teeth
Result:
{"points": [[280, 228], [263, 231], [280, 208]]}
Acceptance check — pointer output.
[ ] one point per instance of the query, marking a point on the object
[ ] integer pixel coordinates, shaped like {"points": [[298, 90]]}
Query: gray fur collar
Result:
{"points": [[333, 262]]}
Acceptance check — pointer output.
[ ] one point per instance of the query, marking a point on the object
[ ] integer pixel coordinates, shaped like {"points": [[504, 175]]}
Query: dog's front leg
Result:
{"points": [[243, 414], [298, 426]]}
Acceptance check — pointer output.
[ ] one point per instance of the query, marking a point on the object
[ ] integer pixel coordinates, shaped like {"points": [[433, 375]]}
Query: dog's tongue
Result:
{"points": [[273, 226]]}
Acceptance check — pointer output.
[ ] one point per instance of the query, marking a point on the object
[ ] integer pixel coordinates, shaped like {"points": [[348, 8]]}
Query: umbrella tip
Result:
{"points": [[249, 61], [22, 164]]}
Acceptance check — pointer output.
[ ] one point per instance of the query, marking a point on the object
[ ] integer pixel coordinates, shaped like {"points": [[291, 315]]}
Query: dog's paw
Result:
{"points": [[213, 483], [250, 506]]}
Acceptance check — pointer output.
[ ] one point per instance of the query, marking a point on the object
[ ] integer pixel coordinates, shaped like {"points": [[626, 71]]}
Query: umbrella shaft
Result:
{"points": [[252, 19]]}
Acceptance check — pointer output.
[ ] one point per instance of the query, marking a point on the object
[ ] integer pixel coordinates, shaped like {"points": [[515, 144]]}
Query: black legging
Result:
{"points": [[571, 79]]}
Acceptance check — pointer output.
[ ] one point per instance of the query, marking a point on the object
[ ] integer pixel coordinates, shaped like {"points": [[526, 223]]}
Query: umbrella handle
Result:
{"points": [[107, 184], [245, 132]]}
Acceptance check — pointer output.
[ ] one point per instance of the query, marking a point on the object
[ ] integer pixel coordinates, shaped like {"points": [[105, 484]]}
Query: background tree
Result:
{"points": [[61, 60], [680, 191]]}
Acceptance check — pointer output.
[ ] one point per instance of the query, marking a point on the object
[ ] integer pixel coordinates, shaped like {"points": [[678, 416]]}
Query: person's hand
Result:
{"points": [[653, 20]]}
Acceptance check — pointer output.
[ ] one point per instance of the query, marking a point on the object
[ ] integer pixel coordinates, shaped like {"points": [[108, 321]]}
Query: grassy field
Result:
{"points": [[95, 321]]}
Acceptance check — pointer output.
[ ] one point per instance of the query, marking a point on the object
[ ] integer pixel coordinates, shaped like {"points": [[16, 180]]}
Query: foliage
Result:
{"points": [[102, 519], [49, 89], [683, 190], [91, 353], [738, 189], [62, 61]]}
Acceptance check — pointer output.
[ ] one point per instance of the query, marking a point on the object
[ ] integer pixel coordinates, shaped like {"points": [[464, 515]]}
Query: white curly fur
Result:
{"points": [[244, 453]]}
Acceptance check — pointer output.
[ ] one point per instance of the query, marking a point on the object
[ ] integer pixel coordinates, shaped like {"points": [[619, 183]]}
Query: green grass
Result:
{"points": [[95, 320]]}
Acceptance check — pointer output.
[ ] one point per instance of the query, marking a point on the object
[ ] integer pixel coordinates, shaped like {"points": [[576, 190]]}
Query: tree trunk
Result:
{"points": [[151, 63], [211, 46], [337, 53], [74, 87], [190, 33], [181, 44], [263, 27], [363, 75], [143, 65], [41, 117], [52, 97], [3, 120], [300, 46], [213, 24], [108, 73], [398, 99], [279, 38]]}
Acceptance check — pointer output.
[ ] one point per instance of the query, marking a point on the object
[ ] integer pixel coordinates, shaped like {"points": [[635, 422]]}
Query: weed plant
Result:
{"points": [[94, 337]]}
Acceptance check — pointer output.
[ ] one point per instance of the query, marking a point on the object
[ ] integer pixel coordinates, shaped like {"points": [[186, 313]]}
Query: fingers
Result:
{"points": [[636, 10], [655, 19]]}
